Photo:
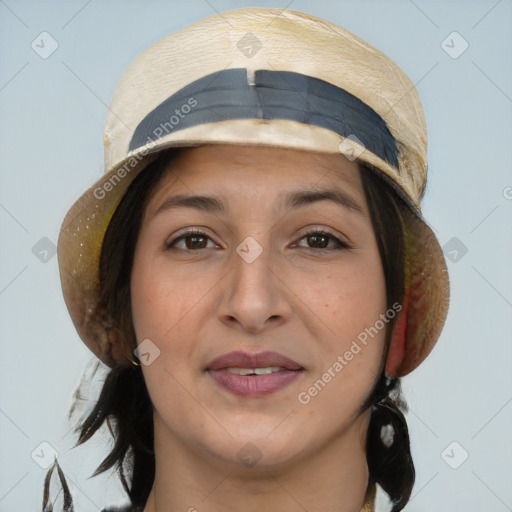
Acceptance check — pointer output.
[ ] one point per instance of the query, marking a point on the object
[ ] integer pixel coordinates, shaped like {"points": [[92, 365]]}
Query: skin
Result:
{"points": [[198, 299]]}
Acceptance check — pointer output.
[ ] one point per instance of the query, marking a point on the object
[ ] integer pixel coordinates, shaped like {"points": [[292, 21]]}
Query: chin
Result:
{"points": [[258, 453], [274, 443]]}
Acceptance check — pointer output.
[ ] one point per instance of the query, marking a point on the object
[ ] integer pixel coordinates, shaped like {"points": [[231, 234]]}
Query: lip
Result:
{"points": [[254, 385], [241, 359]]}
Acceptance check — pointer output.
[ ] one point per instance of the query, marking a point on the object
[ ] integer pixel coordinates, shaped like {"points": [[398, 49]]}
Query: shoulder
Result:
{"points": [[125, 508]]}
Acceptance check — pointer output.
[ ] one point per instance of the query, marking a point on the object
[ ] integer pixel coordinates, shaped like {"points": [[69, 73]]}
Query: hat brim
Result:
{"points": [[83, 229]]}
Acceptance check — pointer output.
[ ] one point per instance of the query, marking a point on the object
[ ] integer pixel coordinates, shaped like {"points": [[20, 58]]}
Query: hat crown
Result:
{"points": [[270, 39]]}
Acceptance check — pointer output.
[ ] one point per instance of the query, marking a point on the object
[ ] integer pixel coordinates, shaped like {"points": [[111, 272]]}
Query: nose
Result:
{"points": [[255, 298]]}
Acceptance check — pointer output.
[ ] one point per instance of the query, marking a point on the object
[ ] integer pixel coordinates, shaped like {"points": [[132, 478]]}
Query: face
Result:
{"points": [[278, 255]]}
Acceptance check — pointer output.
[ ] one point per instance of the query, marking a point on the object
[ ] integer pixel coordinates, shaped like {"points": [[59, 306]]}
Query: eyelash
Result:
{"points": [[340, 245]]}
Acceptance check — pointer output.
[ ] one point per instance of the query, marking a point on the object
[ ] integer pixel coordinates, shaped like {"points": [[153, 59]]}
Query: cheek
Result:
{"points": [[146, 301], [348, 298], [160, 303], [158, 299], [168, 308], [351, 352], [351, 302]]}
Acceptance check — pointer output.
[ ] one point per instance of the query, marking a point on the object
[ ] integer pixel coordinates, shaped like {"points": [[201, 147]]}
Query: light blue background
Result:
{"points": [[52, 117]]}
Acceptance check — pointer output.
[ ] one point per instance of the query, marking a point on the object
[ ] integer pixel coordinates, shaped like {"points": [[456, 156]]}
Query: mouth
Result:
{"points": [[254, 375]]}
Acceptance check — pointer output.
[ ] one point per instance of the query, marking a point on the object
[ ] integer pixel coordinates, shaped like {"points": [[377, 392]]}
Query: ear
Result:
{"points": [[398, 344]]}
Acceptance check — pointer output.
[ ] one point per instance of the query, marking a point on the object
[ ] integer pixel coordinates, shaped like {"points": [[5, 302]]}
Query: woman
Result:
{"points": [[255, 269]]}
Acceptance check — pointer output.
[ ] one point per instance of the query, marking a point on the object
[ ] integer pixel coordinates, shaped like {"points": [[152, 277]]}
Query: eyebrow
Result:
{"points": [[292, 201]]}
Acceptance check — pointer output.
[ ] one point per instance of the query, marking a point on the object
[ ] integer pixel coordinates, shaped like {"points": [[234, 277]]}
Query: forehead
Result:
{"points": [[233, 172]]}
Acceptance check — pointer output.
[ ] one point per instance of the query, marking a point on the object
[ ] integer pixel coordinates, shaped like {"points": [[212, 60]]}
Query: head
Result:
{"points": [[348, 289], [324, 291]]}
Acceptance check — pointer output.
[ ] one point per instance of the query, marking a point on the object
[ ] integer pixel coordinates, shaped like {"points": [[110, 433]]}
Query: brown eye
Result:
{"points": [[193, 240], [317, 240], [196, 242], [320, 239]]}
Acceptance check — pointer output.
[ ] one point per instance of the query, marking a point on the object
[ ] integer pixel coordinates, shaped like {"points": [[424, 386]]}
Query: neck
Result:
{"points": [[334, 478]]}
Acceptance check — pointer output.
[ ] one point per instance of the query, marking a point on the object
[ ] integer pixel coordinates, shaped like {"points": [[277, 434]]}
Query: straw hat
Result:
{"points": [[264, 77]]}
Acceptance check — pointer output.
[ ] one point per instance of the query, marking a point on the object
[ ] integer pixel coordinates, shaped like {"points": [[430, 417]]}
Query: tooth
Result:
{"points": [[241, 371], [250, 371], [264, 371]]}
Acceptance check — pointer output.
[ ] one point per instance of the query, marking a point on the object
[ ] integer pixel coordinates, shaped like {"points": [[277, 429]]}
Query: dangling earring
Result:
{"points": [[387, 435], [390, 381], [387, 430]]}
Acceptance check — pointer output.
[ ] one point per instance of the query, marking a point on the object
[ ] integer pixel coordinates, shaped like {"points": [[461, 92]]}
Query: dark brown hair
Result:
{"points": [[124, 403]]}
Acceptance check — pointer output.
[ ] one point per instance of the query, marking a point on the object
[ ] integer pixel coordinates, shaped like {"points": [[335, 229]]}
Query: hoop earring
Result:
{"points": [[127, 353], [134, 363]]}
